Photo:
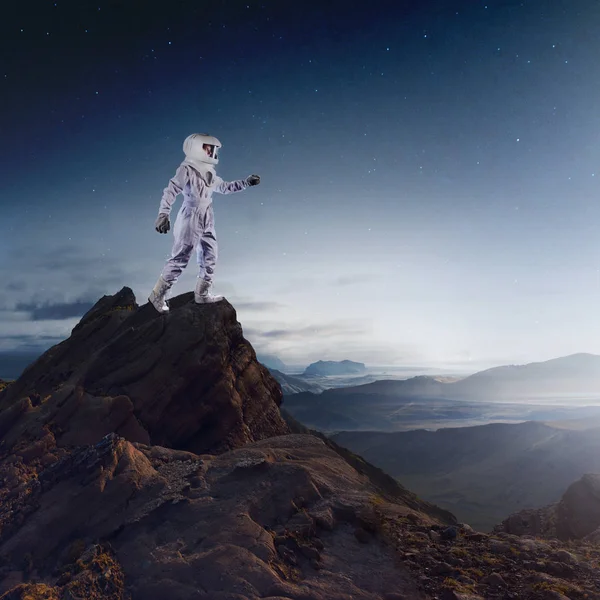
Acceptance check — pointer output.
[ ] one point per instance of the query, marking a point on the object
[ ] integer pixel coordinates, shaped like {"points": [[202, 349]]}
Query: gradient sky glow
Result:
{"points": [[430, 170]]}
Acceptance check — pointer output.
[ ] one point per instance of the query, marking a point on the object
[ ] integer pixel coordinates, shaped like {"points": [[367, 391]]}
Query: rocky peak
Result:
{"points": [[187, 380], [146, 457]]}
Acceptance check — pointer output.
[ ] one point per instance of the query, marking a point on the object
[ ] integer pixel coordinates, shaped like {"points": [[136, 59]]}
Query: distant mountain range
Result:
{"points": [[539, 391], [272, 362], [295, 385], [574, 374], [537, 438], [320, 368]]}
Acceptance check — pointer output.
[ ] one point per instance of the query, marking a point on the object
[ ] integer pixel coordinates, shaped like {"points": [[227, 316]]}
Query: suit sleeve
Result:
{"points": [[173, 189], [230, 187]]}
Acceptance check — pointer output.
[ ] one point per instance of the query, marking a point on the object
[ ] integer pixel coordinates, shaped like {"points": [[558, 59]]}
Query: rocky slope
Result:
{"points": [[575, 517], [284, 517], [146, 457], [462, 564], [483, 474], [458, 563]]}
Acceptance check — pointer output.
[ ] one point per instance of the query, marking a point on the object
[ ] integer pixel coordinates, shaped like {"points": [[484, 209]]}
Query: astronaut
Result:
{"points": [[194, 228]]}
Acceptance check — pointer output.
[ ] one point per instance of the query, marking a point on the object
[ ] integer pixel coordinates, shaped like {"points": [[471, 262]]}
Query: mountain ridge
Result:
{"points": [[245, 504], [146, 456]]}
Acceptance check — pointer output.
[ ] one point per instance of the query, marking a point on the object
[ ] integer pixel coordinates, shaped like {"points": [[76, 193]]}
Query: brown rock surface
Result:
{"points": [[187, 380], [150, 522]]}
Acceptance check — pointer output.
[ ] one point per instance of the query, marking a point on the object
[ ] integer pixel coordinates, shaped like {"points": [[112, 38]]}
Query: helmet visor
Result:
{"points": [[211, 150]]}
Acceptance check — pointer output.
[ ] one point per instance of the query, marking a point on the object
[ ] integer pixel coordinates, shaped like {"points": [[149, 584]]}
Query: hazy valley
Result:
{"points": [[482, 474], [483, 446]]}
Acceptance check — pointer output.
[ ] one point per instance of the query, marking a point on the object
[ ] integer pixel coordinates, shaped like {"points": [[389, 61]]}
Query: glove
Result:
{"points": [[162, 224], [253, 180]]}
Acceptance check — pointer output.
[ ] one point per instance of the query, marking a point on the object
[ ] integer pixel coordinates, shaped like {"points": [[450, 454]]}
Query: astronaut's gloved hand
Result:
{"points": [[162, 224], [253, 180]]}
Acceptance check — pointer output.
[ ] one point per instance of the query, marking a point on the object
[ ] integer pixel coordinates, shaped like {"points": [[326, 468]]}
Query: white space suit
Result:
{"points": [[194, 227]]}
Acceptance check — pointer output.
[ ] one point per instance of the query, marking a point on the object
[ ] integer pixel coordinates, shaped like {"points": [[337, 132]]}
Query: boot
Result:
{"points": [[158, 295], [202, 294]]}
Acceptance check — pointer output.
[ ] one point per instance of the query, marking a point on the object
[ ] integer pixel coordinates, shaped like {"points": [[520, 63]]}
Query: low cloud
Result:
{"points": [[19, 345], [16, 286], [258, 306], [25, 333], [79, 271], [307, 333], [358, 279], [55, 312]]}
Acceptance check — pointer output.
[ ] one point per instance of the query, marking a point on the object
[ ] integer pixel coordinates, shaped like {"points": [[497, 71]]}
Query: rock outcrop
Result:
{"points": [[575, 517], [188, 380], [284, 517]]}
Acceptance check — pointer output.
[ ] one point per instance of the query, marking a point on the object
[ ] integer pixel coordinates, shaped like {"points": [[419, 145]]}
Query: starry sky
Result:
{"points": [[429, 170]]}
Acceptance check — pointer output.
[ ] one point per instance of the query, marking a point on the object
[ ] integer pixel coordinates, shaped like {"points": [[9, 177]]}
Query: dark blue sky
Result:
{"points": [[429, 170]]}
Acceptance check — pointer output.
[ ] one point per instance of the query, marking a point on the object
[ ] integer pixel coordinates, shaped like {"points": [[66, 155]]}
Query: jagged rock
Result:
{"points": [[186, 380], [574, 517], [442, 569], [449, 533], [435, 536], [578, 512], [454, 595], [166, 543], [476, 537], [323, 518], [363, 536], [564, 557], [495, 580], [593, 538]]}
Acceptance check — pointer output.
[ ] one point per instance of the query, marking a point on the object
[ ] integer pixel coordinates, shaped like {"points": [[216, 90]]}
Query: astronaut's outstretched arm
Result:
{"points": [[170, 193], [230, 187]]}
